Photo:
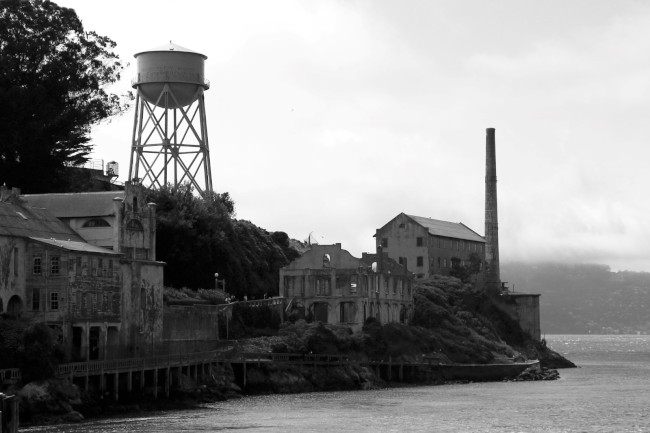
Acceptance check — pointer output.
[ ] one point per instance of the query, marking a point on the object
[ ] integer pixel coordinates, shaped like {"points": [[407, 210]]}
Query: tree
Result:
{"points": [[52, 79], [198, 237]]}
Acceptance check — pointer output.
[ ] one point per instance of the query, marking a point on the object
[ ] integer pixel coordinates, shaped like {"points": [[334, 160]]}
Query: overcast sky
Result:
{"points": [[333, 117]]}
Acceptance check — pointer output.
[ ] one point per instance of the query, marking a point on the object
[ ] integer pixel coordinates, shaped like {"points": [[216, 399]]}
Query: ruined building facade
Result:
{"points": [[329, 285], [103, 300]]}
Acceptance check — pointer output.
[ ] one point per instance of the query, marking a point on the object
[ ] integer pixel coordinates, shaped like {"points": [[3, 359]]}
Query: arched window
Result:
{"points": [[96, 222], [134, 225]]}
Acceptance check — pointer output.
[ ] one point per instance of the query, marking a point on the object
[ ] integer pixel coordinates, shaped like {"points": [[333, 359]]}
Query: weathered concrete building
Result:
{"points": [[104, 302], [330, 285], [123, 222], [428, 246]]}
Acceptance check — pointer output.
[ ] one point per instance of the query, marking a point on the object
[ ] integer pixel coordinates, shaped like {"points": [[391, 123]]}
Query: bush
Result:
{"points": [[255, 318], [39, 355]]}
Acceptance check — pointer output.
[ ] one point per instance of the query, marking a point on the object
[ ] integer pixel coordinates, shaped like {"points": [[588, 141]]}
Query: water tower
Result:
{"points": [[170, 135]]}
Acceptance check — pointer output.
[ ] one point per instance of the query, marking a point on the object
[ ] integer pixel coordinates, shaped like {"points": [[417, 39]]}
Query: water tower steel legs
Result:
{"points": [[170, 145]]}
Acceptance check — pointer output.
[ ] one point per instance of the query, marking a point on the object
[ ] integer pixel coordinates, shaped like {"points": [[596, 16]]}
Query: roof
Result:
{"points": [[447, 229], [25, 221], [170, 47], [76, 205], [75, 246]]}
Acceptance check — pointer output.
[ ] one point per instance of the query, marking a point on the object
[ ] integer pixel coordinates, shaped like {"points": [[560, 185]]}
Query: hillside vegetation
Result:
{"points": [[580, 299], [452, 323], [198, 238]]}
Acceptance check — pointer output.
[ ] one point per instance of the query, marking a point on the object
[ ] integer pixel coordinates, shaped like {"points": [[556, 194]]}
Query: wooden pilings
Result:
{"points": [[8, 413]]}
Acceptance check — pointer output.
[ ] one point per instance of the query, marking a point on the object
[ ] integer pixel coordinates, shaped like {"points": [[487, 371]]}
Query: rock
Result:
{"points": [[533, 373], [73, 416]]}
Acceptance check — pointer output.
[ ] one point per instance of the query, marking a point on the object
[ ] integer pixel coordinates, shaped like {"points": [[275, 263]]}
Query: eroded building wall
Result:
{"points": [[12, 275], [329, 285], [190, 328], [525, 307]]}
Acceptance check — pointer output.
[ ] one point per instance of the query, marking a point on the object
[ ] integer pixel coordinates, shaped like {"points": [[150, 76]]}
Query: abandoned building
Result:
{"points": [[329, 285], [102, 302], [427, 246], [122, 223]]}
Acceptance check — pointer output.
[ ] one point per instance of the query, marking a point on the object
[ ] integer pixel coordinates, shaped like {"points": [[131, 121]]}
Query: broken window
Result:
{"points": [[37, 268], [96, 222], [55, 265], [54, 301]]}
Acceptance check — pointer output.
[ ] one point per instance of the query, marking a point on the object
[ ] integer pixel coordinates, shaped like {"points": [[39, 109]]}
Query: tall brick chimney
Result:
{"points": [[492, 272]]}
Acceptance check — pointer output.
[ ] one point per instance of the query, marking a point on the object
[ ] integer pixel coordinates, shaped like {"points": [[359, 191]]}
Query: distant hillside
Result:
{"points": [[580, 299]]}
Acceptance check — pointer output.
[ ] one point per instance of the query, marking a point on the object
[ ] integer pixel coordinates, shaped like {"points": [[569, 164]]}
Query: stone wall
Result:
{"points": [[525, 307]]}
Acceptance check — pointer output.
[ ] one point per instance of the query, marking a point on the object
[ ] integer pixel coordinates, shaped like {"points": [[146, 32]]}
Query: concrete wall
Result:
{"points": [[142, 306], [526, 308], [12, 271], [182, 323], [401, 235], [99, 236]]}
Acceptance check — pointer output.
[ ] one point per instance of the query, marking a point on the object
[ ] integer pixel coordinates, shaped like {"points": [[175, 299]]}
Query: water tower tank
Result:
{"points": [[171, 64]]}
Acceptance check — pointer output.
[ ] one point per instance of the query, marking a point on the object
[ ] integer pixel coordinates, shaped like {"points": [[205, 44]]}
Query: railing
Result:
{"points": [[135, 364], [10, 375], [126, 364]]}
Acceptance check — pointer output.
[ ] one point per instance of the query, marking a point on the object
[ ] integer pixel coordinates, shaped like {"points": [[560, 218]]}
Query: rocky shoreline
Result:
{"points": [[59, 401]]}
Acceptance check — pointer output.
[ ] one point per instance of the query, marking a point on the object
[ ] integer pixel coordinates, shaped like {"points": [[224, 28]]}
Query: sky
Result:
{"points": [[331, 117]]}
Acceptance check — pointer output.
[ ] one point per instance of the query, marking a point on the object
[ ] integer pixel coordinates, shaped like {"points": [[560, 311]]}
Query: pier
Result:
{"points": [[154, 374]]}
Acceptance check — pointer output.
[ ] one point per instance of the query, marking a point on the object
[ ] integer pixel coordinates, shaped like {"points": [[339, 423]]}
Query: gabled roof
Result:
{"points": [[447, 229], [75, 246], [76, 205], [25, 221]]}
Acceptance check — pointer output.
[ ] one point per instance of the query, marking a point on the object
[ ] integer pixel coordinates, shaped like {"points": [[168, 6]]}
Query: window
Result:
{"points": [[16, 261], [96, 222], [347, 313], [55, 265], [419, 241], [439, 261], [135, 204], [37, 268], [287, 285], [322, 286], [134, 225], [78, 270], [444, 263], [54, 301], [384, 242], [353, 284], [342, 281], [420, 261], [36, 300], [326, 260]]}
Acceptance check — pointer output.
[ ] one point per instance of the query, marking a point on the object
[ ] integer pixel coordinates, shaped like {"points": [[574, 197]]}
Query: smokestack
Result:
{"points": [[492, 272]]}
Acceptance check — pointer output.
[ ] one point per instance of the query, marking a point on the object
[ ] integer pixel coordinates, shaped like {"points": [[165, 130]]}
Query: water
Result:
{"points": [[609, 393]]}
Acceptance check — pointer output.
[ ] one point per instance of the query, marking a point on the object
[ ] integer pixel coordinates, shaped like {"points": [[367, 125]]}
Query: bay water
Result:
{"points": [[610, 392]]}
